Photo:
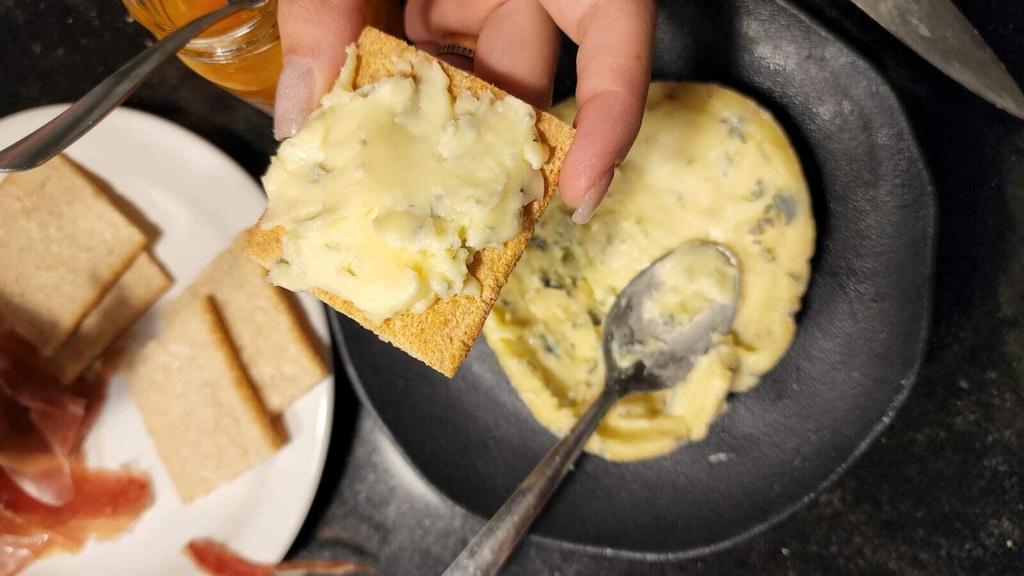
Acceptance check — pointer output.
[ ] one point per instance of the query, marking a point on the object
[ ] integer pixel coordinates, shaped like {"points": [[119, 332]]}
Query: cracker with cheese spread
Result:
{"points": [[408, 198]]}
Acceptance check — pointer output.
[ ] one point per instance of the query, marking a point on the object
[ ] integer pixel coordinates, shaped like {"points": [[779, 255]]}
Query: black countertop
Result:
{"points": [[942, 490]]}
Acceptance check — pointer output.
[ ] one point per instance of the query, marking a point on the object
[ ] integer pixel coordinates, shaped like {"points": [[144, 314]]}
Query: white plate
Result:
{"points": [[199, 199]]}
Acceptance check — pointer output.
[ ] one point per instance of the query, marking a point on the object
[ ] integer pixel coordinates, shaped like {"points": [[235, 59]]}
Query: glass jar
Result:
{"points": [[242, 53]]}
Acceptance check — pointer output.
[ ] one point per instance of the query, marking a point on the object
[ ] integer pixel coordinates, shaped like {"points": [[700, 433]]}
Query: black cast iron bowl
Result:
{"points": [[861, 336]]}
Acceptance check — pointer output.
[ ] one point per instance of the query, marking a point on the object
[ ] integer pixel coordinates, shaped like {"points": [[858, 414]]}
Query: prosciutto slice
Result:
{"points": [[105, 504], [40, 425], [48, 500], [20, 543], [218, 560]]}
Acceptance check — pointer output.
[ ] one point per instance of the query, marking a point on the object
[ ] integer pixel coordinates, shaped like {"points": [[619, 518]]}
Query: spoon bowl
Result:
{"points": [[668, 316]]}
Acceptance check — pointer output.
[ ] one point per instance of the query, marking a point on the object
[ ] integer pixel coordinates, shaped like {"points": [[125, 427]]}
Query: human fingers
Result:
{"points": [[515, 41], [613, 70], [314, 35], [431, 23], [518, 50], [430, 20]]}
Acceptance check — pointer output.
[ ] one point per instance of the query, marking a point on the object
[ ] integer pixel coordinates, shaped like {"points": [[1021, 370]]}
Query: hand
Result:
{"points": [[517, 49]]}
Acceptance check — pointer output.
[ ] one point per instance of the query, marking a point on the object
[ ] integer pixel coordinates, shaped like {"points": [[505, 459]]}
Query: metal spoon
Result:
{"points": [[57, 134], [642, 353]]}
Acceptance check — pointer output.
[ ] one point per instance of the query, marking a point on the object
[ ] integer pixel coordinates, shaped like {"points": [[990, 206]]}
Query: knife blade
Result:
{"points": [[940, 34]]}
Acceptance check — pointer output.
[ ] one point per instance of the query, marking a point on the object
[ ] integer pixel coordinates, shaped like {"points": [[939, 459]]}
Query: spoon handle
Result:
{"points": [[487, 552], [59, 133]]}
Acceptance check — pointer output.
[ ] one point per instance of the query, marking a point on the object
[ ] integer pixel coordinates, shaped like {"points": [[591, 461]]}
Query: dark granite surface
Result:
{"points": [[941, 492]]}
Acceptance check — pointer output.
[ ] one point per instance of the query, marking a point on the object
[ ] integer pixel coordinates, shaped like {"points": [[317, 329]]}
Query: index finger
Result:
{"points": [[614, 69], [314, 35]]}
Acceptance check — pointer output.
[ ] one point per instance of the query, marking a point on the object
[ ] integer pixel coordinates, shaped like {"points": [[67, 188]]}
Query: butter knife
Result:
{"points": [[937, 31]]}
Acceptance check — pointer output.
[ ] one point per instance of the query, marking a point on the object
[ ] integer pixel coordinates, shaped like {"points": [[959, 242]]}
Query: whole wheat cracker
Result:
{"points": [[441, 336]]}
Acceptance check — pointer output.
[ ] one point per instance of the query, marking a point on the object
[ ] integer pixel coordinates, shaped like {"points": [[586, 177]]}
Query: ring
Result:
{"points": [[456, 49]]}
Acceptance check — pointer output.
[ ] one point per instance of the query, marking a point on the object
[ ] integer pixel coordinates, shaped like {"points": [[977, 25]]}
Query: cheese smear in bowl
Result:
{"points": [[708, 165], [390, 190]]}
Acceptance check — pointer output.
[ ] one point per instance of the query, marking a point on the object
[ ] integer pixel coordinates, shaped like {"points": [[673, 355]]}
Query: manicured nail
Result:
{"points": [[292, 104], [593, 199]]}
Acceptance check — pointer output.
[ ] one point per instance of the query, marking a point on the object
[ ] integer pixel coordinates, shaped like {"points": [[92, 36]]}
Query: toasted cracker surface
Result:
{"points": [[442, 335]]}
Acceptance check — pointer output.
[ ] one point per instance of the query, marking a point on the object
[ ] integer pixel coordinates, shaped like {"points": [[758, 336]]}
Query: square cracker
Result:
{"points": [[272, 339], [126, 301], [62, 245], [199, 406], [442, 335]]}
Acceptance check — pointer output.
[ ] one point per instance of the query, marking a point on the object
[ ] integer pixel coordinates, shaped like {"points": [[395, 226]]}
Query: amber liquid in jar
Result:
{"points": [[242, 53]]}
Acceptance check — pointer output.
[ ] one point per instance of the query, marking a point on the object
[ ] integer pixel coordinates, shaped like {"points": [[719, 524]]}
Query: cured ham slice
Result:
{"points": [[218, 560], [20, 543], [48, 500], [35, 442], [58, 411], [105, 504], [41, 423]]}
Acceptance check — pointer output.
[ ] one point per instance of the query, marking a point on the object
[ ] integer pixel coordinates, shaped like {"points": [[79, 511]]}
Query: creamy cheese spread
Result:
{"points": [[709, 164], [390, 190]]}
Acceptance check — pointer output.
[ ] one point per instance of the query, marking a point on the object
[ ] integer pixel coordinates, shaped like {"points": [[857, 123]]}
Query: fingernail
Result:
{"points": [[593, 199], [294, 93]]}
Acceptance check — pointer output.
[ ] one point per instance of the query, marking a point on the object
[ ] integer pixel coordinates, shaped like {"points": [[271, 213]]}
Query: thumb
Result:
{"points": [[314, 35]]}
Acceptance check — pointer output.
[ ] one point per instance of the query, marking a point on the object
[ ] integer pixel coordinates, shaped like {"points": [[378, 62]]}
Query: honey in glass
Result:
{"points": [[242, 53]]}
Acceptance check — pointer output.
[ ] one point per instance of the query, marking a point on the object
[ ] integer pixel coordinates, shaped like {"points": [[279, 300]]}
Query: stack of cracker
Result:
{"points": [[234, 353], [76, 270]]}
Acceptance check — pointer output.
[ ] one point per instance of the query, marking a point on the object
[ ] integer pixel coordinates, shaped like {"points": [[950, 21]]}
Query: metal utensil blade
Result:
{"points": [[937, 31]]}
